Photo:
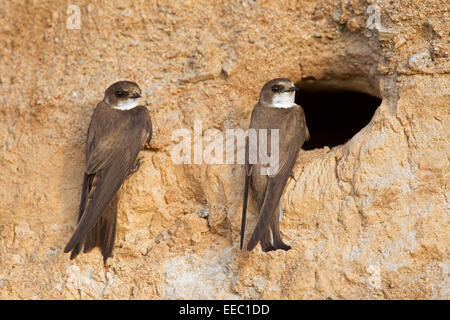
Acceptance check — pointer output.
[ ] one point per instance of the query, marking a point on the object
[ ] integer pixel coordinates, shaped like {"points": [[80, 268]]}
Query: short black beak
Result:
{"points": [[136, 95], [292, 89]]}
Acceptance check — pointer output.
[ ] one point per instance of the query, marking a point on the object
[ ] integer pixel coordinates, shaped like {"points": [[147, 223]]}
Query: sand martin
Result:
{"points": [[119, 129], [276, 109]]}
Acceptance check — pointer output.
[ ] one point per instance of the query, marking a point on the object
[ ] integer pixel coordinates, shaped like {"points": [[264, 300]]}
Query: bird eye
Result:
{"points": [[120, 94], [276, 88]]}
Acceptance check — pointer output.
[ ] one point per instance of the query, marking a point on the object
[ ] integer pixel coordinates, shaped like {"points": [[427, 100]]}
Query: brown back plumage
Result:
{"points": [[113, 143], [268, 190]]}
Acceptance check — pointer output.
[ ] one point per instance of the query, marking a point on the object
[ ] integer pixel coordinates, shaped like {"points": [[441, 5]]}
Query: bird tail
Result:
{"points": [[267, 230], [276, 235], [262, 229], [102, 235], [271, 237]]}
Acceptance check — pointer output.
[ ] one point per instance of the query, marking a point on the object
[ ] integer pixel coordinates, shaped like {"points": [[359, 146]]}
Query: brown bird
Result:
{"points": [[118, 130], [276, 109]]}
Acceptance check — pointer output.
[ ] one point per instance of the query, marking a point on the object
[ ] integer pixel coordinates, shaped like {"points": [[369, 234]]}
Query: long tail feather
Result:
{"points": [[244, 209]]}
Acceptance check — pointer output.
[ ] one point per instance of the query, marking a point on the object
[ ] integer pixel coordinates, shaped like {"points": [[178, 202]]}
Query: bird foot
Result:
{"points": [[283, 246], [293, 176], [136, 167]]}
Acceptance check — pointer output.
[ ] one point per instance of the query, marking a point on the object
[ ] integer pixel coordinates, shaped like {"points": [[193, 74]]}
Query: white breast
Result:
{"points": [[284, 100], [127, 105]]}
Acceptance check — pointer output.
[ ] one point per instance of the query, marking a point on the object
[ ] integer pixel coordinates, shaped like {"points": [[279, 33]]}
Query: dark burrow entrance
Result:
{"points": [[333, 115]]}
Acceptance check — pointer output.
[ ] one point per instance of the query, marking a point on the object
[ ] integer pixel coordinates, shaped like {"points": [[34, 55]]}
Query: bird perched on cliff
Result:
{"points": [[119, 129], [276, 109]]}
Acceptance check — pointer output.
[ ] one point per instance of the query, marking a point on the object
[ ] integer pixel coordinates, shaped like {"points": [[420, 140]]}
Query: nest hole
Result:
{"points": [[334, 113]]}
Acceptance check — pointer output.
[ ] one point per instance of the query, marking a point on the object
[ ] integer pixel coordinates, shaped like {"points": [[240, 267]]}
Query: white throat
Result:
{"points": [[127, 105], [284, 100]]}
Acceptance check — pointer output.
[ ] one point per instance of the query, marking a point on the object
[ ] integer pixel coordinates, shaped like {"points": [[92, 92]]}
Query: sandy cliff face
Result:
{"points": [[367, 219]]}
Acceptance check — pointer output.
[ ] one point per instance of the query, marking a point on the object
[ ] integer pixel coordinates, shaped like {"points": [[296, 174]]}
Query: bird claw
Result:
{"points": [[293, 176], [136, 167], [147, 146]]}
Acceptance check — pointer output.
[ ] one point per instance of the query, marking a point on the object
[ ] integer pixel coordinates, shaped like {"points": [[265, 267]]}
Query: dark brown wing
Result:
{"points": [[289, 148], [248, 173], [114, 141], [87, 186], [149, 130]]}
